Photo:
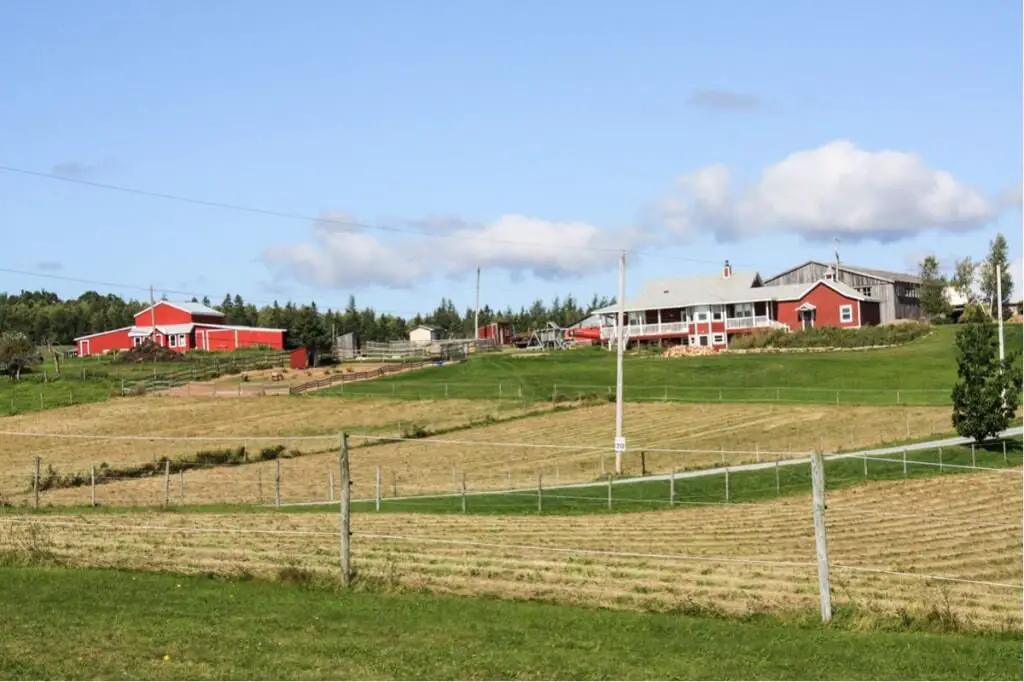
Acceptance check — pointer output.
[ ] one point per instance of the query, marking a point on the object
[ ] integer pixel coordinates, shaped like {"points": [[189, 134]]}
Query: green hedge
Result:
{"points": [[832, 337]]}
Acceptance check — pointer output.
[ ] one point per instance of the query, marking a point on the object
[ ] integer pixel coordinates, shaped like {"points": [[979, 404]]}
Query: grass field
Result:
{"points": [[885, 540], [739, 486], [172, 627], [919, 373], [564, 446]]}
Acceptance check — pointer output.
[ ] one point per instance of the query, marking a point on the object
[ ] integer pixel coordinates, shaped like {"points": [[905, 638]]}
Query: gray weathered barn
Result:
{"points": [[898, 293]]}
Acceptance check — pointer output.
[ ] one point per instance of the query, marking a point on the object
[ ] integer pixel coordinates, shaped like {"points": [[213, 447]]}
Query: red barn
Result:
{"points": [[499, 332], [181, 327]]}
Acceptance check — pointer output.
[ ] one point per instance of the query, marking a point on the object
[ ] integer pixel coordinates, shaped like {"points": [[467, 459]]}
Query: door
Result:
{"points": [[807, 319], [703, 340], [85, 348]]}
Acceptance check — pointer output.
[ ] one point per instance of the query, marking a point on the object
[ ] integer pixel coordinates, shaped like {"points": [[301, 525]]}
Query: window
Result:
{"points": [[846, 313], [743, 310], [138, 341], [864, 291], [181, 341], [716, 313], [718, 339], [701, 316], [172, 340]]}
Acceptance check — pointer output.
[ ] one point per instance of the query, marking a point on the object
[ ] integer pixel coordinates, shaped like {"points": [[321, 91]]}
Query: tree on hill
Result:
{"points": [[17, 352], [987, 392], [964, 273], [997, 256], [933, 289]]}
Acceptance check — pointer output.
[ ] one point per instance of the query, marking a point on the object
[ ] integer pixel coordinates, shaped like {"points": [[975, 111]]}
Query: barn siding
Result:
{"points": [[873, 287], [827, 302], [117, 339]]}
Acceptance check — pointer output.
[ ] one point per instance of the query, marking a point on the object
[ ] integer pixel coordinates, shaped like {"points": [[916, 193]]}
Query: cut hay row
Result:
{"points": [[738, 558], [196, 418], [512, 454]]}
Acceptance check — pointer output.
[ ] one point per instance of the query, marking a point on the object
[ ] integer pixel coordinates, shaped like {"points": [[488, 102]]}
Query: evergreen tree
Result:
{"points": [[987, 392], [933, 289], [997, 256]]}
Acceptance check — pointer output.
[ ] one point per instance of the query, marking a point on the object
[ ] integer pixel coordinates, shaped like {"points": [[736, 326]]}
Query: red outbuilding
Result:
{"points": [[499, 332], [181, 327]]}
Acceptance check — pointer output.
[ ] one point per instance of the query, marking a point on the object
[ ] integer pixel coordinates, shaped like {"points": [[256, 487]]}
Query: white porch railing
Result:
{"points": [[654, 329], [749, 322]]}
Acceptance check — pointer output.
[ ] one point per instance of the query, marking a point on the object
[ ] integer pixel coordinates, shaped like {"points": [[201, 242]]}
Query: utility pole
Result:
{"points": [[999, 312], [620, 443], [476, 316]]}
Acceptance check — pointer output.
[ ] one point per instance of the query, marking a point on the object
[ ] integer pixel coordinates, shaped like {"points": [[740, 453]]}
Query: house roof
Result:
{"points": [[95, 334], [683, 292], [425, 326], [236, 327], [187, 306], [163, 329], [884, 275]]}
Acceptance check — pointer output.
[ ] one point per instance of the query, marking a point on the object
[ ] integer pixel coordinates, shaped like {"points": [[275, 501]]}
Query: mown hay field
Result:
{"points": [[885, 539], [198, 419], [563, 447]]}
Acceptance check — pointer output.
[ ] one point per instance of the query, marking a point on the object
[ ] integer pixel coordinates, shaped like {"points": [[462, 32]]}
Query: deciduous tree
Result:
{"points": [[997, 256], [933, 289]]}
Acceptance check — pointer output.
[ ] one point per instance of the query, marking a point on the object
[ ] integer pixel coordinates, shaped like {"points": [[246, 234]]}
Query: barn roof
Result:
{"points": [[683, 292], [187, 306], [884, 275]]}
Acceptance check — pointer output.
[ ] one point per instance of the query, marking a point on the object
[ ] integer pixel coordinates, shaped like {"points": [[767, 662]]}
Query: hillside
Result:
{"points": [[923, 371]]}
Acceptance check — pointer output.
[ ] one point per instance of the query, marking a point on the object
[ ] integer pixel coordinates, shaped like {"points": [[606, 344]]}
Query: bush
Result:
{"points": [[832, 337]]}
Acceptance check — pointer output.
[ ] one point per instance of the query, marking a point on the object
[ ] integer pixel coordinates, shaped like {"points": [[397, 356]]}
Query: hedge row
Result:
{"points": [[832, 337]]}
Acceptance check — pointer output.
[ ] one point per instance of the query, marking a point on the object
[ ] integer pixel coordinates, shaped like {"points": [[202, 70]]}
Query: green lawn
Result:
{"points": [[93, 379], [919, 373], [103, 624], [743, 486]]}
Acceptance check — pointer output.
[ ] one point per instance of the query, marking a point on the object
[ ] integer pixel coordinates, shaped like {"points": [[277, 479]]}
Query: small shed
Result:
{"points": [[424, 334], [298, 359]]}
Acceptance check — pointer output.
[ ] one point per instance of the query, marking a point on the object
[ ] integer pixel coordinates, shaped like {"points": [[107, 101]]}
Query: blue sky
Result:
{"points": [[530, 138]]}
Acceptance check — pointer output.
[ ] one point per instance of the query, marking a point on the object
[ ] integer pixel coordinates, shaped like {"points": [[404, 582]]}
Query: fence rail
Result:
{"points": [[346, 377]]}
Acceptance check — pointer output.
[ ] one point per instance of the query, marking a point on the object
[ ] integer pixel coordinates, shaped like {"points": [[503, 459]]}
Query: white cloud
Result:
{"points": [[341, 255], [836, 189]]}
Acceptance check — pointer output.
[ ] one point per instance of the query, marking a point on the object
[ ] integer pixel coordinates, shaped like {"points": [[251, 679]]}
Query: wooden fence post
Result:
{"points": [[820, 538], [167, 483], [36, 481], [904, 462], [277, 482], [378, 488], [345, 530], [672, 488], [330, 484], [726, 484]]}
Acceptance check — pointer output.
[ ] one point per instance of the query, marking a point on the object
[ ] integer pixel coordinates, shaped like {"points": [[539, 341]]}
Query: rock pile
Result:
{"points": [[687, 351]]}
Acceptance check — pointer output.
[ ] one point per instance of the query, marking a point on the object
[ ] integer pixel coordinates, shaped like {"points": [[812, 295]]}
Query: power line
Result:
{"points": [[331, 221]]}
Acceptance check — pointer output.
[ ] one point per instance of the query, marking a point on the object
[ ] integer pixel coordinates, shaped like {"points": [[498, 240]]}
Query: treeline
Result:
{"points": [[45, 318]]}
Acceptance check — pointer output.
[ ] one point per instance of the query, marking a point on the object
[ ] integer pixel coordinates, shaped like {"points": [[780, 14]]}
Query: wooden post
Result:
{"points": [[1004, 452], [36, 481], [672, 488], [940, 459], [92, 485], [167, 483], [974, 461], [726, 484], [330, 484], [277, 483], [463, 492], [757, 452], [378, 488], [904, 462], [820, 538], [609, 493], [865, 458], [540, 493], [643, 463], [345, 530]]}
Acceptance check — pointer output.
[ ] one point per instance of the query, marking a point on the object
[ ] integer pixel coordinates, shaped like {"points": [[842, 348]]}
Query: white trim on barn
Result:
{"points": [[199, 309]]}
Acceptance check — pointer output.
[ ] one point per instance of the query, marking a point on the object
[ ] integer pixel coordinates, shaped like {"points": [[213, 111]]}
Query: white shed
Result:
{"points": [[424, 334]]}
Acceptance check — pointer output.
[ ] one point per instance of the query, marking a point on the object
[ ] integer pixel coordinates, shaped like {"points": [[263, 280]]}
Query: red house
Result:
{"points": [[710, 310], [180, 327]]}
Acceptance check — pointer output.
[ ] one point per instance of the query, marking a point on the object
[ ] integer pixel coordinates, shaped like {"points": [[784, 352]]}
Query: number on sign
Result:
{"points": [[620, 444]]}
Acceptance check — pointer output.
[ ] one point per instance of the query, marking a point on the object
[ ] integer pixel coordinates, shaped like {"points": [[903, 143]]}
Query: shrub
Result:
{"points": [[832, 337]]}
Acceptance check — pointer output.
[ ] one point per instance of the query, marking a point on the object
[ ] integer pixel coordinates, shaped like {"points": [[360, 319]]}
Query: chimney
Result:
{"points": [[726, 270]]}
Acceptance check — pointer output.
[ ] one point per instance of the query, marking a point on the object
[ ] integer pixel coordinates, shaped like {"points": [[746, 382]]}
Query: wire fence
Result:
{"points": [[568, 392], [935, 535]]}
